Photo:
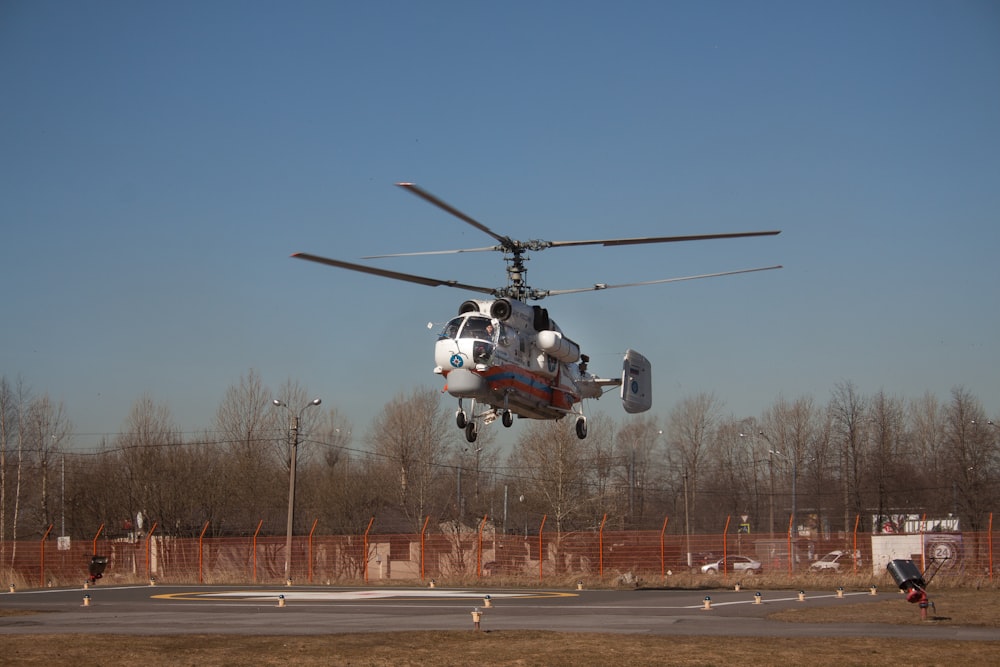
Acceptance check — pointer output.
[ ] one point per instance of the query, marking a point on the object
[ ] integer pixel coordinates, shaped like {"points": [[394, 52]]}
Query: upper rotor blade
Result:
{"points": [[541, 245], [395, 275], [603, 286], [444, 206], [660, 239]]}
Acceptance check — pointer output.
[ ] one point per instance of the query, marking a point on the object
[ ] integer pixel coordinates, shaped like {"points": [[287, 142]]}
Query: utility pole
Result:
{"points": [[293, 439]]}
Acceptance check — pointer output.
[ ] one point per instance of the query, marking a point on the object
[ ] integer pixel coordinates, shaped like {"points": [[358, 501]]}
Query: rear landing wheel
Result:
{"points": [[581, 428], [461, 419], [507, 418], [471, 431]]}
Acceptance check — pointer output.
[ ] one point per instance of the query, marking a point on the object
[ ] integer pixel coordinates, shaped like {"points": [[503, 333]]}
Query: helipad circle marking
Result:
{"points": [[353, 595]]}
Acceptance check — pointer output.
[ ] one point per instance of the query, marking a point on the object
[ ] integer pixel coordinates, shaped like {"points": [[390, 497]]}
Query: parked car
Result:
{"points": [[704, 558], [733, 564], [835, 561]]}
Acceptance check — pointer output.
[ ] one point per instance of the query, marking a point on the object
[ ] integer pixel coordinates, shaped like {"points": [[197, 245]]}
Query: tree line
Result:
{"points": [[876, 457]]}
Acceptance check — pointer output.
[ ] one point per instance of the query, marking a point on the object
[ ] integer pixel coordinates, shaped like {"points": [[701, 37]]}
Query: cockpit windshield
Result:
{"points": [[479, 328]]}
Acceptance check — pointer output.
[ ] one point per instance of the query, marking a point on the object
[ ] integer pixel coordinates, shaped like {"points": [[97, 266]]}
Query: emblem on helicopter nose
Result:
{"points": [[456, 361]]}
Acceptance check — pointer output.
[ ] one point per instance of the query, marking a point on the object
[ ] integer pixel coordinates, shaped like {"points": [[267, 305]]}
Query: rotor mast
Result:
{"points": [[516, 270]]}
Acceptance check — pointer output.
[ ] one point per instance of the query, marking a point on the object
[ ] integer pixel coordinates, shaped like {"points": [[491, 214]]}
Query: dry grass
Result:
{"points": [[495, 648], [965, 607]]}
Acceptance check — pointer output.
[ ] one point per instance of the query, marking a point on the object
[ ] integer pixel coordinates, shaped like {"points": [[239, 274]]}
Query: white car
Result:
{"points": [[835, 561], [733, 564]]}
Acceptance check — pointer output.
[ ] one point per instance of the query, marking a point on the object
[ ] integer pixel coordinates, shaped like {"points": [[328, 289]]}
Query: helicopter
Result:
{"points": [[507, 356]]}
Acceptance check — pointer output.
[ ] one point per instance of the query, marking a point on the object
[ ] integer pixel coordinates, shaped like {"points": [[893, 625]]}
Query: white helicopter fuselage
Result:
{"points": [[513, 357]]}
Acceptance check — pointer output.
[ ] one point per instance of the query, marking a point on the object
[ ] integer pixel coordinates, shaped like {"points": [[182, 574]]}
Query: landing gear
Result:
{"points": [[581, 427], [467, 421], [507, 418]]}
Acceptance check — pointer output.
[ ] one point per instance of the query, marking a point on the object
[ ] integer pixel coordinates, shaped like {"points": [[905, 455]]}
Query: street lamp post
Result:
{"points": [[770, 472], [795, 476], [770, 464], [293, 455], [687, 521]]}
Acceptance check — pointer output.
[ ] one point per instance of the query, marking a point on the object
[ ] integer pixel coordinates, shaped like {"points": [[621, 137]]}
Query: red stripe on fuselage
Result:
{"points": [[508, 377]]}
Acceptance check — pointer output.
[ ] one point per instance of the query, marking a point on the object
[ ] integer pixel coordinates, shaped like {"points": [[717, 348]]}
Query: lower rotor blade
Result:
{"points": [[434, 252], [603, 286], [395, 275]]}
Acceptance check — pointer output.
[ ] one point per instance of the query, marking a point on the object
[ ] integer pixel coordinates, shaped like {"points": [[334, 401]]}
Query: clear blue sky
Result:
{"points": [[160, 161]]}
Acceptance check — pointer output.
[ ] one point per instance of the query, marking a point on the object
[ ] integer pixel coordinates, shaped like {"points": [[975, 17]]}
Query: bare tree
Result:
{"points": [[973, 456], [848, 410], [148, 466], [20, 401], [865, 456], [610, 469], [637, 444], [789, 430], [733, 479], [472, 464], [888, 463], [926, 439], [8, 420], [254, 441], [554, 469], [337, 485], [691, 429], [244, 420], [820, 460], [46, 429], [409, 439]]}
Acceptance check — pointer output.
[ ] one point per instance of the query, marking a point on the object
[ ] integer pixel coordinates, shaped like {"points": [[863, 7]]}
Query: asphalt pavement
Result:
{"points": [[314, 610]]}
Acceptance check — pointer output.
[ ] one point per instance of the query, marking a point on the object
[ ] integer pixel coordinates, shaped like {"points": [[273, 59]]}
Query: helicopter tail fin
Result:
{"points": [[637, 382]]}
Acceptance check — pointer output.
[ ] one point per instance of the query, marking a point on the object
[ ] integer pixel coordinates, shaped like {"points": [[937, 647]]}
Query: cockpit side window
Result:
{"points": [[451, 329], [506, 335]]}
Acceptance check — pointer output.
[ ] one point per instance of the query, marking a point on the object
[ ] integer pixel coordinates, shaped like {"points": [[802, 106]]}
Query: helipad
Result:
{"points": [[347, 595]]}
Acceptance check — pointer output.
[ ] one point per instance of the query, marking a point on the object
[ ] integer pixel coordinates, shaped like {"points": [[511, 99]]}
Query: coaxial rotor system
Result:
{"points": [[514, 252]]}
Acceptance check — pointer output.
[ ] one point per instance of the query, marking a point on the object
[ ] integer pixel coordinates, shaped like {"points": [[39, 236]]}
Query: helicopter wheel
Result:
{"points": [[471, 431], [507, 418], [460, 419], [581, 428]]}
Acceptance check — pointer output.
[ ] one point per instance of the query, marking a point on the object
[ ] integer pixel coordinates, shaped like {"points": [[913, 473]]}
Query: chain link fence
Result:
{"points": [[458, 556]]}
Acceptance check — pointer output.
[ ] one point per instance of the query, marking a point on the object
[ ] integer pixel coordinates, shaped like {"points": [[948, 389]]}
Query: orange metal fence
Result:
{"points": [[472, 553]]}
